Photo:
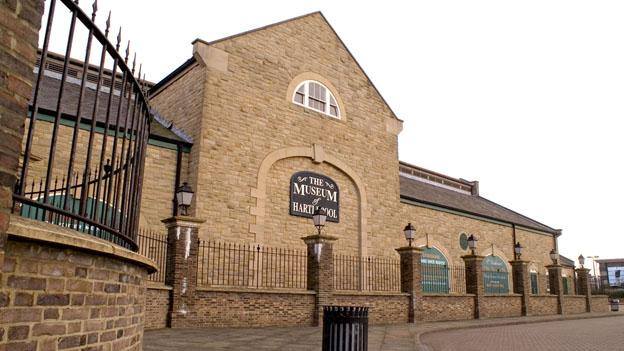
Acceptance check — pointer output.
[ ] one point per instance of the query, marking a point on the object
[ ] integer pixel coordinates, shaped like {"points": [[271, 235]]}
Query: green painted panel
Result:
{"points": [[495, 276]]}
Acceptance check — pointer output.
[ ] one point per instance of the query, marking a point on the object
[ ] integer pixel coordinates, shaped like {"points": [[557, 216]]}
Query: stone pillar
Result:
{"points": [[410, 280], [181, 274], [556, 285], [20, 21], [474, 280], [522, 282], [320, 272], [582, 275]]}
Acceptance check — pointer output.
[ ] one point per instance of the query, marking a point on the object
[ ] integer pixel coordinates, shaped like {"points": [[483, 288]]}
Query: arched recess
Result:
{"points": [[421, 242], [493, 250], [497, 252], [318, 155], [435, 273]]}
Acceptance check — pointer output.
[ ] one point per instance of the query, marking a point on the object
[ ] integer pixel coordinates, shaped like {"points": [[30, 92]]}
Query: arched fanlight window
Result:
{"points": [[316, 96]]}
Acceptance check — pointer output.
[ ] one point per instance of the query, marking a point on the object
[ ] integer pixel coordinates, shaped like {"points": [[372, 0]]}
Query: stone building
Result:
{"points": [[265, 126], [263, 105]]}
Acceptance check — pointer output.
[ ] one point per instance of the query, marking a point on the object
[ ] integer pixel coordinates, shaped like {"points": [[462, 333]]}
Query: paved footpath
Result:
{"points": [[404, 336], [570, 335]]}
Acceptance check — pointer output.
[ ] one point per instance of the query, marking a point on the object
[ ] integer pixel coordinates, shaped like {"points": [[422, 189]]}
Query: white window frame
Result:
{"points": [[306, 97]]}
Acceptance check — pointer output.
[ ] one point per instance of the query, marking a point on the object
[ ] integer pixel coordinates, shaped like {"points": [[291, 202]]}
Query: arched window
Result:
{"points": [[316, 96], [534, 282], [435, 271], [495, 275]]}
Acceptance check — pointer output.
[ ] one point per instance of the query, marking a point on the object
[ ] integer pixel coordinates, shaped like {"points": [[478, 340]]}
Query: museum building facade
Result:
{"points": [[267, 126]]}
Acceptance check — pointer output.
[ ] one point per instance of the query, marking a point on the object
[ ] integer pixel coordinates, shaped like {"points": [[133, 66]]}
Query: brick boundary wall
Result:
{"points": [[215, 308], [542, 305], [501, 306], [157, 300], [574, 304], [447, 307], [383, 308], [60, 289], [600, 303]]}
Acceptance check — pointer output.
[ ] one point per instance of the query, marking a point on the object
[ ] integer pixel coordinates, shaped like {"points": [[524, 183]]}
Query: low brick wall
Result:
{"points": [[250, 308], [600, 303], [61, 289], [495, 306], [573, 304], [447, 307], [384, 308], [157, 306], [542, 305]]}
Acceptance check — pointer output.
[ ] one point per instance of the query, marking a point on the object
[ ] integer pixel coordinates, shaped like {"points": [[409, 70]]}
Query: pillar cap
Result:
{"points": [[318, 238], [554, 266], [472, 257], [185, 221], [518, 262], [582, 269], [413, 249]]}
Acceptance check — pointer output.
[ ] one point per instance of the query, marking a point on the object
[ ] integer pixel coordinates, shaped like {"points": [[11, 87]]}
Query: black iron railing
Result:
{"points": [[442, 279], [154, 245], [86, 137], [367, 274], [251, 266]]}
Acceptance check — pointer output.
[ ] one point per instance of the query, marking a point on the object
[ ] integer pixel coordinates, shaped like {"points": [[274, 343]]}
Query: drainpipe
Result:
{"points": [[177, 178]]}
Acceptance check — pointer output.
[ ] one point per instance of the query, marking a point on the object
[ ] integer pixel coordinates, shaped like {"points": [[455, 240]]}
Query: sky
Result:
{"points": [[527, 97]]}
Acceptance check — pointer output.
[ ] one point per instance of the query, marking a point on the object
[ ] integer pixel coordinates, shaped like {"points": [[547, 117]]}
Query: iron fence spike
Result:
{"points": [[127, 52], [94, 11], [107, 24], [118, 39]]}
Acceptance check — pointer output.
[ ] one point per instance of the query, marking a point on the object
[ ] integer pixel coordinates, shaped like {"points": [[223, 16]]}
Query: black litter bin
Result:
{"points": [[345, 328]]}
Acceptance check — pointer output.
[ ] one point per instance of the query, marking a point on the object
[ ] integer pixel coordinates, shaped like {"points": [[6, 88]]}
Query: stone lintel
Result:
{"points": [[410, 249], [323, 238], [183, 221]]}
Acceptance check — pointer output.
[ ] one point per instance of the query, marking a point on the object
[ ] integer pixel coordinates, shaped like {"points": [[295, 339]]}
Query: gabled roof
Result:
{"points": [[186, 64], [418, 191], [49, 92], [566, 261]]}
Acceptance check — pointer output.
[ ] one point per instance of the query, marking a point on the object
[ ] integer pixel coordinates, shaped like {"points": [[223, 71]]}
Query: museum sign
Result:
{"points": [[311, 190]]}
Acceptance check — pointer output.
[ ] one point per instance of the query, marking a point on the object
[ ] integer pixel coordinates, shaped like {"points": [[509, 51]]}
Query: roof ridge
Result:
{"points": [[270, 25], [519, 214], [330, 27]]}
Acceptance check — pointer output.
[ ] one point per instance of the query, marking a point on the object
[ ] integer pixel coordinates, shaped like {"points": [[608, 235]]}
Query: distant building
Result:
{"points": [[612, 271]]}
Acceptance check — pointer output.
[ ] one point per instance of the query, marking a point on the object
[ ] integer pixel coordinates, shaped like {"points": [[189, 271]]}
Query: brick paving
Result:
{"points": [[569, 335], [500, 332]]}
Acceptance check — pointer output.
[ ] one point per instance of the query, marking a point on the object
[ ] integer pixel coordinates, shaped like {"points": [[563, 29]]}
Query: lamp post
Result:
{"points": [[472, 243], [184, 197], [318, 218], [581, 260], [554, 256], [409, 233], [594, 264], [518, 250]]}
